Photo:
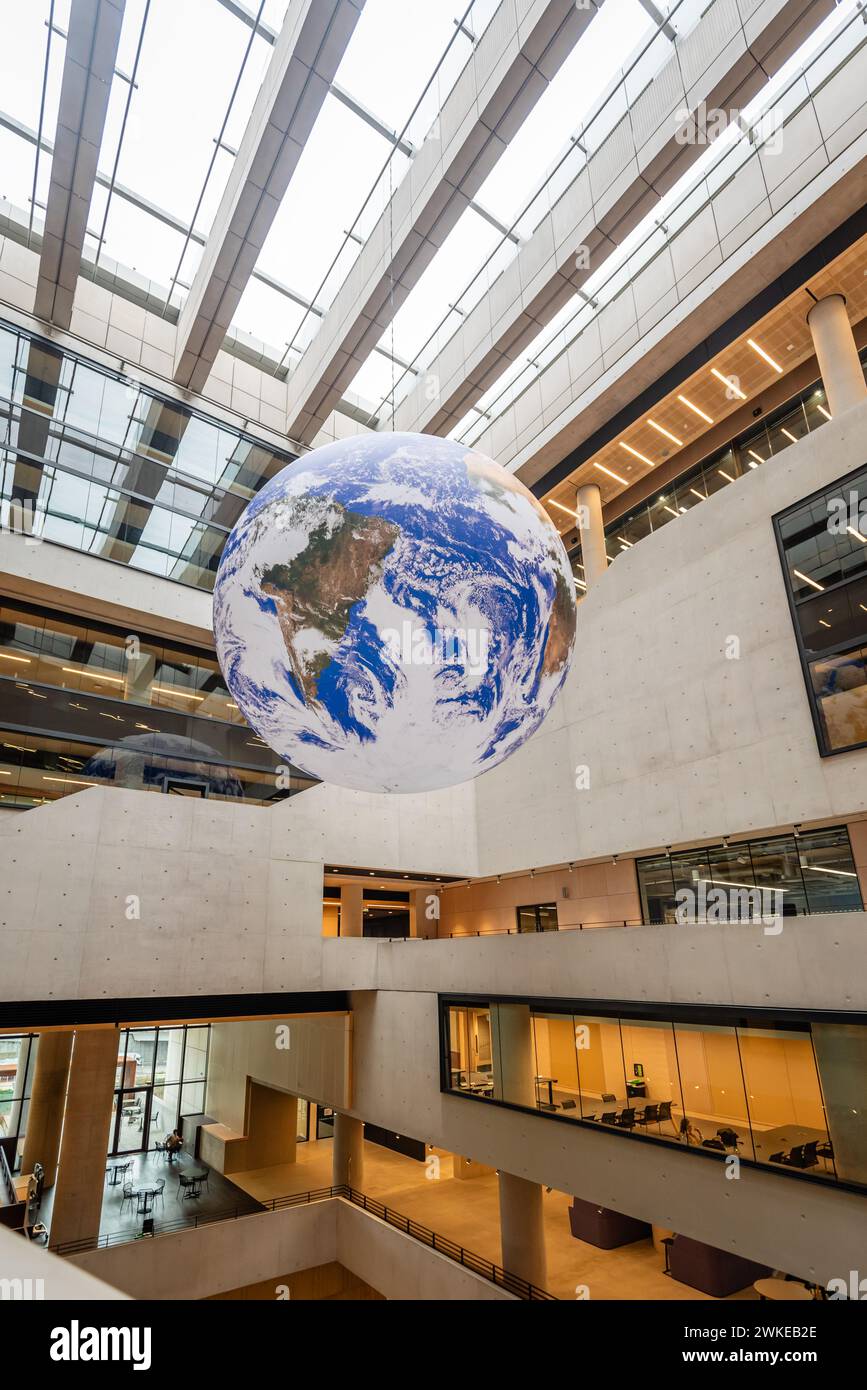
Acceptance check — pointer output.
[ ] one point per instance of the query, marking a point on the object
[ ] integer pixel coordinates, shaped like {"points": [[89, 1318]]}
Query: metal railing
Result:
{"points": [[476, 1264]]}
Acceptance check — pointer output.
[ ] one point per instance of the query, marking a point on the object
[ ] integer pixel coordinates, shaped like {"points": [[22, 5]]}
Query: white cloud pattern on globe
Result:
{"points": [[394, 613]]}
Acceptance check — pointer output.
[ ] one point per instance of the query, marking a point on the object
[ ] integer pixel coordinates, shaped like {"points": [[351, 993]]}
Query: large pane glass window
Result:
{"points": [[813, 872], [784, 1098], [556, 1063], [712, 1085], [600, 1068], [824, 553], [652, 1075]]}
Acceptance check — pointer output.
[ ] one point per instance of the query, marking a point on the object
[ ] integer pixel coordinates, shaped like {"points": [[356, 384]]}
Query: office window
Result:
{"points": [[824, 560], [811, 872], [537, 917], [785, 1095]]}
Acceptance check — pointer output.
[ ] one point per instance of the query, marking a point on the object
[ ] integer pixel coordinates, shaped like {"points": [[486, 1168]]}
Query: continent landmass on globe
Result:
{"points": [[318, 588], [561, 629]]}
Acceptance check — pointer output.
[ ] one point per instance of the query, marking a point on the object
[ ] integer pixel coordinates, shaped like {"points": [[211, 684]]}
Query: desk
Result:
{"points": [[782, 1291], [550, 1082]]}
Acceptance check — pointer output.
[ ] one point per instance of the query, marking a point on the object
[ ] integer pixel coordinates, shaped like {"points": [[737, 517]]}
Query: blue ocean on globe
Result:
{"points": [[394, 613]]}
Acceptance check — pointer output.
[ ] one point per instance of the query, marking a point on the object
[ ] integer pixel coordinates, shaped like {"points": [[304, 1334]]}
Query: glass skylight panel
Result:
{"points": [[342, 158], [393, 51], [23, 43], [191, 57], [268, 315], [469, 243], [136, 239], [594, 61]]}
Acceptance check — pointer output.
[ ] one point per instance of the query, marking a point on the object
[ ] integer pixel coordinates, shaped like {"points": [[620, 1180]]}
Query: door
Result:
{"points": [[131, 1118]]}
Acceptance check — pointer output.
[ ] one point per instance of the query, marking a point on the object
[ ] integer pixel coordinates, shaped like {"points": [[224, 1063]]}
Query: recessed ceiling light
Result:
{"points": [[660, 429], [644, 459], [728, 383], [564, 509], [702, 496], [766, 356], [609, 472], [689, 405], [728, 477], [788, 434], [853, 531], [826, 413], [753, 455], [579, 582]]}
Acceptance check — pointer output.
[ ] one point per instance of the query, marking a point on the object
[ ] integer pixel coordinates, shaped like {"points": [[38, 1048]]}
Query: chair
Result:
{"points": [[729, 1137], [626, 1119], [159, 1191], [665, 1114], [128, 1195], [713, 1144], [205, 1179], [609, 1117], [160, 1148], [649, 1117]]}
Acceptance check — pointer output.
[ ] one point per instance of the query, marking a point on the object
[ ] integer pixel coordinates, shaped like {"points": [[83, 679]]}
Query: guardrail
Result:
{"points": [[476, 1264]]}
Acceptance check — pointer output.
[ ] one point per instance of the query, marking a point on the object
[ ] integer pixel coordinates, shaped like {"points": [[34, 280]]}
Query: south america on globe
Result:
{"points": [[394, 613]]}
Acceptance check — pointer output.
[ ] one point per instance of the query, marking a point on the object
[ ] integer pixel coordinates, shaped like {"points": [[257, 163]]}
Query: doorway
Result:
{"points": [[131, 1120]]}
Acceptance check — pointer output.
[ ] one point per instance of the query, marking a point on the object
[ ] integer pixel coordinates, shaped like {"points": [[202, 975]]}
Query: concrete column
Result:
{"points": [[841, 1056], [513, 1054], [78, 1196], [351, 909], [522, 1229], [347, 1159], [842, 373], [593, 553], [45, 1116]]}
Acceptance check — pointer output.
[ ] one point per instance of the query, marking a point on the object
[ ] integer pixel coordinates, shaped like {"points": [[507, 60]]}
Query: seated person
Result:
{"points": [[174, 1144]]}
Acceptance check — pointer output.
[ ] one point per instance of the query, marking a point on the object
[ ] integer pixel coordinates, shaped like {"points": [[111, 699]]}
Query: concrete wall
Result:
{"points": [[682, 744], [60, 1279], [317, 1063], [231, 1254], [112, 892], [807, 1229]]}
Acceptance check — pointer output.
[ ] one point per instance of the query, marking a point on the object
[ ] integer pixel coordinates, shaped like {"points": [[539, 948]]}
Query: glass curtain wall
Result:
{"points": [[161, 1075], [93, 460], [749, 1090], [123, 710], [811, 872], [17, 1066]]}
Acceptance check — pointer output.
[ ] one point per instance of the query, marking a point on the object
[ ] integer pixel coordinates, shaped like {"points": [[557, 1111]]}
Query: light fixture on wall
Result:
{"points": [[498, 878], [668, 851], [725, 841], [571, 868], [532, 873], [796, 831], [614, 858]]}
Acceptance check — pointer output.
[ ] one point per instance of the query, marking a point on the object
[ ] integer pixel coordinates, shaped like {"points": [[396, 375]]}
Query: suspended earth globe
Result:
{"points": [[394, 613]]}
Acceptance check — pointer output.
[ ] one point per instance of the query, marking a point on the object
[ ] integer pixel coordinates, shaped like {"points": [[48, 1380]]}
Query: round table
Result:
{"points": [[782, 1291]]}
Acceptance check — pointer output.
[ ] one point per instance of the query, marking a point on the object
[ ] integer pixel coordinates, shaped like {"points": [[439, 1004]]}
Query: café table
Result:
{"points": [[115, 1172], [782, 1291], [144, 1199]]}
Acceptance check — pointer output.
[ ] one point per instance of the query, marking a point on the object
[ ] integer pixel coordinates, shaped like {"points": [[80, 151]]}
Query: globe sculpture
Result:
{"points": [[394, 613]]}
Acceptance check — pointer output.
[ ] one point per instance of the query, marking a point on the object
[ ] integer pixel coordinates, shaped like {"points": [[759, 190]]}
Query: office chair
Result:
{"points": [[730, 1138], [608, 1118], [626, 1119], [649, 1116]]}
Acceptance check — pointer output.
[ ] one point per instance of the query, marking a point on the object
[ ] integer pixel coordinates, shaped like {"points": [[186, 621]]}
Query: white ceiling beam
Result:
{"points": [[719, 65], [88, 69], [306, 56], [516, 58]]}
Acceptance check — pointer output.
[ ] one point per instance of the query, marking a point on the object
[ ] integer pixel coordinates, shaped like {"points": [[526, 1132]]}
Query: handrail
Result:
{"points": [[476, 1264]]}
